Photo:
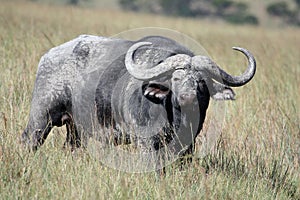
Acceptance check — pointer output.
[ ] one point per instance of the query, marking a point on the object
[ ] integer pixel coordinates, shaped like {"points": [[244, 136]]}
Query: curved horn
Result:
{"points": [[215, 72], [165, 68]]}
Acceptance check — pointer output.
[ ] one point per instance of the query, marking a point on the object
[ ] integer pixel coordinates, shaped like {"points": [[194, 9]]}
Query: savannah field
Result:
{"points": [[256, 157]]}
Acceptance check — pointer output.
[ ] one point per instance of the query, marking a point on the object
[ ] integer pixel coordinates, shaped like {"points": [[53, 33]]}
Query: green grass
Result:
{"points": [[257, 157]]}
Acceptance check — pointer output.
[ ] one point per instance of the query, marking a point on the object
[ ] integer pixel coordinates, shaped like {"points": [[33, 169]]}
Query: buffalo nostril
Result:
{"points": [[187, 98]]}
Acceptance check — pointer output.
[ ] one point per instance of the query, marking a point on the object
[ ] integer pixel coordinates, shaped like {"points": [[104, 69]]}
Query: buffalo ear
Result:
{"points": [[155, 92], [221, 92]]}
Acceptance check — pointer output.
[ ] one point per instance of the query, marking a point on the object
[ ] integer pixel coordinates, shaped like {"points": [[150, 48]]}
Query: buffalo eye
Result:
{"points": [[159, 62], [176, 79]]}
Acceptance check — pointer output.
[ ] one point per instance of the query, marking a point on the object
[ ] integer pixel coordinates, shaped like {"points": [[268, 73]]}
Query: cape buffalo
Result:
{"points": [[153, 92]]}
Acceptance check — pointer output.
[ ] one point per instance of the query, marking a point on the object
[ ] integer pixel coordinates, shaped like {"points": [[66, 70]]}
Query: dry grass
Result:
{"points": [[257, 157]]}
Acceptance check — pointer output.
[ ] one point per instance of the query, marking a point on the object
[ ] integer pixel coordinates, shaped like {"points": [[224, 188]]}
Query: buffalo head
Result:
{"points": [[184, 75]]}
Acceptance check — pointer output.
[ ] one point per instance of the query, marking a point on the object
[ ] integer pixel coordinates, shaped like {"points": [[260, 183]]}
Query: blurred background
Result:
{"points": [[255, 12]]}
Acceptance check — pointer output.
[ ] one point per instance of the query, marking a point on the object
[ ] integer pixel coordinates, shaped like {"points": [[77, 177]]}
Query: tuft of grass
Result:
{"points": [[276, 175], [257, 156]]}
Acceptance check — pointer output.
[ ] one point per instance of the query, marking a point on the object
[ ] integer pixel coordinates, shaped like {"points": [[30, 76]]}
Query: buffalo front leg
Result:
{"points": [[187, 157]]}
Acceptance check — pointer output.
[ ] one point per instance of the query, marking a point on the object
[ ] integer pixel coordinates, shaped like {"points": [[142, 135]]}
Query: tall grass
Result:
{"points": [[257, 156]]}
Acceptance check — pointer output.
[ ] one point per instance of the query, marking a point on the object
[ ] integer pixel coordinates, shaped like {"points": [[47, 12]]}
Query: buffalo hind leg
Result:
{"points": [[72, 138], [36, 132]]}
